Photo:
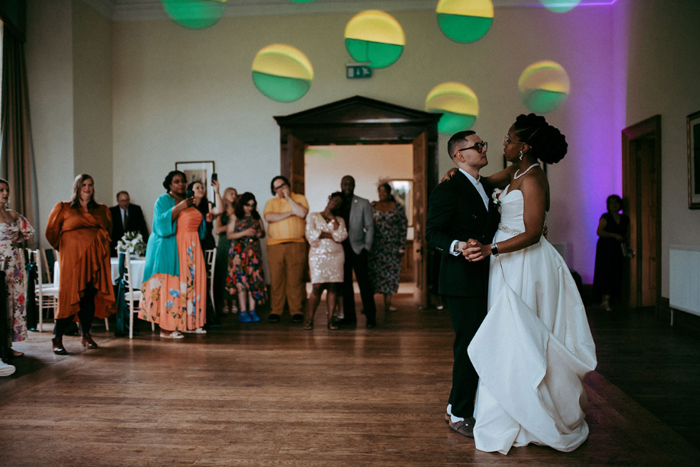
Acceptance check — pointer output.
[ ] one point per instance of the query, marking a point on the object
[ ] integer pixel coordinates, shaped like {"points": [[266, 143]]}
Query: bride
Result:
{"points": [[535, 346]]}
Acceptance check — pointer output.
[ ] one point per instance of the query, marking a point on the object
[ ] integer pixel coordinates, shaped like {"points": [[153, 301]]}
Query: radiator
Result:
{"points": [[684, 278]]}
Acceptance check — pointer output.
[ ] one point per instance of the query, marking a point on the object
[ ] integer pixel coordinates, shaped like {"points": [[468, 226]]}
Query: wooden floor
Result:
{"points": [[273, 394]]}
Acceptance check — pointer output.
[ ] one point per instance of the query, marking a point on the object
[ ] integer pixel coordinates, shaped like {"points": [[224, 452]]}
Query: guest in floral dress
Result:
{"points": [[80, 230], [389, 245], [174, 293], [245, 277], [325, 232], [14, 229], [224, 304]]}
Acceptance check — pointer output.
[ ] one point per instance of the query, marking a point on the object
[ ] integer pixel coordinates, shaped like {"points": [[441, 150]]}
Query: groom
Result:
{"points": [[461, 209]]}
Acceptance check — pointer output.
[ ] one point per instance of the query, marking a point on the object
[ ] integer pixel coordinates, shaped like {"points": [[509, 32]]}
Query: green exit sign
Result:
{"points": [[358, 71]]}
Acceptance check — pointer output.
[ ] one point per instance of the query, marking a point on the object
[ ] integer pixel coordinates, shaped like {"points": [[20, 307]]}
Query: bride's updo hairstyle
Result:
{"points": [[546, 142]]}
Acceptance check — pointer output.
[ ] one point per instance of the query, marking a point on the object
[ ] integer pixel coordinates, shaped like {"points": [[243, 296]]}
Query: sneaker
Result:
{"points": [[5, 369], [273, 318], [244, 317], [200, 331], [253, 316], [298, 318], [172, 335]]}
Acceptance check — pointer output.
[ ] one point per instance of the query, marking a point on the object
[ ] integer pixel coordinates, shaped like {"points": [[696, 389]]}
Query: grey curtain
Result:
{"points": [[17, 156]]}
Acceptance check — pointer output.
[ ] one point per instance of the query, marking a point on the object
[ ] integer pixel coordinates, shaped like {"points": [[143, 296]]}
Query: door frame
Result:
{"points": [[361, 120], [650, 127]]}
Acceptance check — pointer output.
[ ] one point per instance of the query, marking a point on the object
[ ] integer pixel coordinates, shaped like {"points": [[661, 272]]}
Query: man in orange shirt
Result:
{"points": [[286, 249]]}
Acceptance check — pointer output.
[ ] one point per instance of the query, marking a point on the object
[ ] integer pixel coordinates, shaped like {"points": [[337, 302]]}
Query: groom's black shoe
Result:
{"points": [[464, 427]]}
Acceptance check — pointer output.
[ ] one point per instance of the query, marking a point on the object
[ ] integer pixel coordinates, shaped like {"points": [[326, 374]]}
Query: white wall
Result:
{"points": [[188, 95], [49, 56], [663, 68], [369, 165]]}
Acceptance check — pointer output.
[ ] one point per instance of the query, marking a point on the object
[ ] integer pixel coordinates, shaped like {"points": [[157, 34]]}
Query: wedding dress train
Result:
{"points": [[533, 349]]}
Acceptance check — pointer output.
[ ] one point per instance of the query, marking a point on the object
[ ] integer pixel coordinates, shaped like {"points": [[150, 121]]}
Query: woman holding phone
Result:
{"points": [[175, 288]]}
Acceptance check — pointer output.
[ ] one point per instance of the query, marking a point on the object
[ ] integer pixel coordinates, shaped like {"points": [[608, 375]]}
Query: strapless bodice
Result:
{"points": [[512, 207]]}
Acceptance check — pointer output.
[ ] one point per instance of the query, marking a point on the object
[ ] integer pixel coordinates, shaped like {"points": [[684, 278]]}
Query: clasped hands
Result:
{"points": [[473, 250]]}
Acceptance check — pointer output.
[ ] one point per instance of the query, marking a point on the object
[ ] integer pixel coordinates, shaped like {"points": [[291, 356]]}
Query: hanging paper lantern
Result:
{"points": [[282, 72], [543, 86], [374, 37], [458, 104], [465, 20], [194, 14], [560, 6]]}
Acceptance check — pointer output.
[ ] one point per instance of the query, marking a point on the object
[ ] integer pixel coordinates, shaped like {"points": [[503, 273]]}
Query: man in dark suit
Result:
{"points": [[460, 209], [357, 213], [126, 217]]}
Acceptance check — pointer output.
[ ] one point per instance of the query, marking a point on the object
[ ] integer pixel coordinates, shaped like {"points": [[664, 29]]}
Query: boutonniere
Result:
{"points": [[496, 197]]}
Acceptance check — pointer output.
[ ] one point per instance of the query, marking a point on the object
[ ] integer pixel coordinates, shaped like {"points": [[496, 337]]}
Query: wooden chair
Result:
{"points": [[132, 296], [210, 256], [46, 293]]}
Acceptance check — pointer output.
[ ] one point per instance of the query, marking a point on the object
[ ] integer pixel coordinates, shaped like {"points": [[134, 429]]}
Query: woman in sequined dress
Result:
{"points": [[325, 231]]}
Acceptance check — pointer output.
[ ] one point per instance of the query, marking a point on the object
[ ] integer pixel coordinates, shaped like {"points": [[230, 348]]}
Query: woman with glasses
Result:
{"points": [[534, 347], [388, 245], [175, 285], [246, 279]]}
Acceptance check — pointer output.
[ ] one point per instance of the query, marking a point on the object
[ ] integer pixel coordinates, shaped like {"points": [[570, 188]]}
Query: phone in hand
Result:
{"points": [[189, 194], [214, 177]]}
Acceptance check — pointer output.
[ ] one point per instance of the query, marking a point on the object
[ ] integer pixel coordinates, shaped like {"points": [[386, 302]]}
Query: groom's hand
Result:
{"points": [[474, 251]]}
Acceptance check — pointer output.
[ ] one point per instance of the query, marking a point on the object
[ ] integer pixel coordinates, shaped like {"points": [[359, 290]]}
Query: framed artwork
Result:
{"points": [[693, 129], [199, 171], [403, 192]]}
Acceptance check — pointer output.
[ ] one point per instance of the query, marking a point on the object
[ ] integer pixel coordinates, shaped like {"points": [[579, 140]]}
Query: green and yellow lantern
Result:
{"points": [[458, 104], [374, 37], [465, 20], [543, 86], [194, 14], [282, 72]]}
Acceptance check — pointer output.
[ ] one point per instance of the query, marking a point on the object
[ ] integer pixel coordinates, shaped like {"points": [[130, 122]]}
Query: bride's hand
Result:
{"points": [[450, 173], [475, 251]]}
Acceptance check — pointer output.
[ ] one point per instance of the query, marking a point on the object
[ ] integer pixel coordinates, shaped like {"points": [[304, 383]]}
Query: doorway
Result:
{"points": [[362, 121], [641, 190]]}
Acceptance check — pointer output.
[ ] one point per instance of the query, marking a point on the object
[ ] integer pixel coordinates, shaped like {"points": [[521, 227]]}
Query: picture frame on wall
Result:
{"points": [[402, 190], [693, 129], [199, 171]]}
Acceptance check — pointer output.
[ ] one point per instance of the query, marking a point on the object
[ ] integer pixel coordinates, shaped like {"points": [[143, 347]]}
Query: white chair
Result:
{"points": [[210, 256], [132, 295], [46, 293]]}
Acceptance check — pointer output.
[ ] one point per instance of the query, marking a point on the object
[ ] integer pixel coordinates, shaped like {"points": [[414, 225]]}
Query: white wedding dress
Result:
{"points": [[533, 348]]}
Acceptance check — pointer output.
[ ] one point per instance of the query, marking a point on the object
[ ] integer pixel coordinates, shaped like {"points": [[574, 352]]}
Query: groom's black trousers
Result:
{"points": [[467, 313]]}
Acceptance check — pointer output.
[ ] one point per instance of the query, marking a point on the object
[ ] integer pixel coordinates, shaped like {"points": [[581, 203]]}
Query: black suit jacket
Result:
{"points": [[135, 223], [456, 211]]}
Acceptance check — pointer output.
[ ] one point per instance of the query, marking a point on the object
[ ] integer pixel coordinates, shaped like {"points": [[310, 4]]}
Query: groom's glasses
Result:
{"points": [[480, 147]]}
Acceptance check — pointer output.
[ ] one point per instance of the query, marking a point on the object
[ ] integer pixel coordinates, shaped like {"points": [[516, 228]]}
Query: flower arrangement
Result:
{"points": [[132, 242]]}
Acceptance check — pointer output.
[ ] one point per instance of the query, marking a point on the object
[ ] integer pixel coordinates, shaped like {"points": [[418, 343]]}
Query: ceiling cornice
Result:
{"points": [[149, 10]]}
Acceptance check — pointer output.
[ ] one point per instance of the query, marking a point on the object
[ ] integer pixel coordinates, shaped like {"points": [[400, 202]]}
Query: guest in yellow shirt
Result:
{"points": [[286, 249]]}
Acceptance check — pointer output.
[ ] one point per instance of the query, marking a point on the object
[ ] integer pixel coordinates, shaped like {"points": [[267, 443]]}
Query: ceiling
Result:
{"points": [[135, 10]]}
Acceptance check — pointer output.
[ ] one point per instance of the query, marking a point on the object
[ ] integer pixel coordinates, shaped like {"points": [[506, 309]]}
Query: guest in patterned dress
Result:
{"points": [[245, 277], [224, 304], [79, 229], [325, 232], [175, 288], [14, 230], [389, 245]]}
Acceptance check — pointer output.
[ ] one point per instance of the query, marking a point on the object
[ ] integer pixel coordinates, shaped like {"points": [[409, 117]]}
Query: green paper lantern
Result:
{"points": [[194, 14], [457, 103], [543, 86], [282, 73], [465, 21], [374, 37], [560, 6]]}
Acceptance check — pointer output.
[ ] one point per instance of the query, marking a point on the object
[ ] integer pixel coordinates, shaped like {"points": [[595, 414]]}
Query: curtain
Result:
{"points": [[17, 155]]}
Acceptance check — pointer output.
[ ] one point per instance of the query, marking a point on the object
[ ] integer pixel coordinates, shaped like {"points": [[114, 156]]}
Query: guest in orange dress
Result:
{"points": [[175, 288], [79, 230]]}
